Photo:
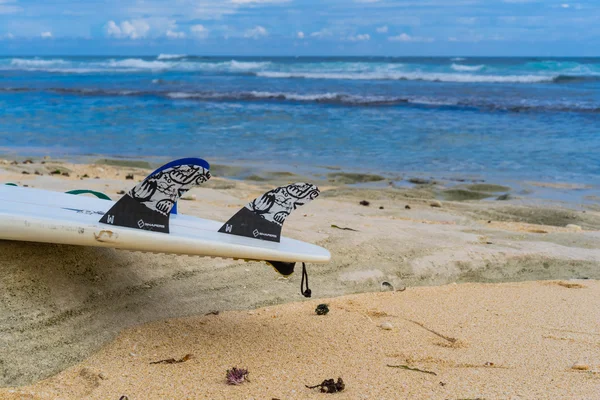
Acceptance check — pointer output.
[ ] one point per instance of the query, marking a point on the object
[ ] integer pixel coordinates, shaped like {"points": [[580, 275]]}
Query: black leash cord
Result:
{"points": [[305, 292]]}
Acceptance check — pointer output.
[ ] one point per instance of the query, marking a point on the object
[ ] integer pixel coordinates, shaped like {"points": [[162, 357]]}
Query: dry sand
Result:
{"points": [[63, 305]]}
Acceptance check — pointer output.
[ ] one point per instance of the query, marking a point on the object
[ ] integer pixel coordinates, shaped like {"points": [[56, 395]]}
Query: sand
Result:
{"points": [[71, 316]]}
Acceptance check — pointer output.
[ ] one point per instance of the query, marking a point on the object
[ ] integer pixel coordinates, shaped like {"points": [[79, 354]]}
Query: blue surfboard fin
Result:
{"points": [[148, 205], [264, 216]]}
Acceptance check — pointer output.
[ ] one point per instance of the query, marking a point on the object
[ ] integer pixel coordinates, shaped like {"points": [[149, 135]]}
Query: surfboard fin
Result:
{"points": [[148, 205], [264, 216]]}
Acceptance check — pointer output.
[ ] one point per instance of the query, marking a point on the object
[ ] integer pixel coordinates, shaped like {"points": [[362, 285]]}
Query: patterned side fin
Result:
{"points": [[263, 217], [148, 205]]}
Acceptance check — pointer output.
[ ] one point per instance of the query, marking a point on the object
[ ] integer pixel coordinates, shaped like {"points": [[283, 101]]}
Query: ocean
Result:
{"points": [[496, 118]]}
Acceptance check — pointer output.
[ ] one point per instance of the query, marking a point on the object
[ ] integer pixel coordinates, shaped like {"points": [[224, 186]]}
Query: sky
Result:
{"points": [[301, 27]]}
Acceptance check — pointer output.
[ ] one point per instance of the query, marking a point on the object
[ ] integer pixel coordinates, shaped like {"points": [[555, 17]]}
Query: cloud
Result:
{"points": [[199, 31], [7, 36], [46, 35], [382, 29], [133, 29], [256, 32], [174, 34], [9, 9], [360, 38], [300, 35], [321, 34], [403, 37]]}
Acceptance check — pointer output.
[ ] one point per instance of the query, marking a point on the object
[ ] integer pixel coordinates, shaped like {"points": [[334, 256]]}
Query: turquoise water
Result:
{"points": [[518, 118]]}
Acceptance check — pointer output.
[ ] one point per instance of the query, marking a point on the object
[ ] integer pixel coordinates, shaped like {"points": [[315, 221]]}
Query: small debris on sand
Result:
{"points": [[322, 309], [237, 376], [386, 326], [174, 361], [364, 203], [330, 386]]}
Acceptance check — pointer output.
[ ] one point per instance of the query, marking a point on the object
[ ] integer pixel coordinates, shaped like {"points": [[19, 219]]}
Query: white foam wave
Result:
{"points": [[258, 95], [457, 59], [36, 63], [246, 65], [467, 68], [138, 63], [416, 76], [170, 56]]}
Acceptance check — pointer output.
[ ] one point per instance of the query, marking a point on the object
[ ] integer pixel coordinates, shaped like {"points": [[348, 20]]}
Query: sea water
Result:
{"points": [[503, 118]]}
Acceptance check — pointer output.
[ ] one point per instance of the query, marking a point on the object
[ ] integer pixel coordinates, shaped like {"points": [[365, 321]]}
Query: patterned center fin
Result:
{"points": [[263, 217], [148, 205]]}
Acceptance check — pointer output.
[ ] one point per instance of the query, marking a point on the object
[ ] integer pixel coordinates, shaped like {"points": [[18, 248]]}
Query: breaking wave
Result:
{"points": [[413, 76], [333, 98], [468, 68], [170, 56]]}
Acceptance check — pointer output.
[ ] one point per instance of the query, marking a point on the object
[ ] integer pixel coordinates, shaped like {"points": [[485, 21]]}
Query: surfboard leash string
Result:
{"points": [[305, 292]]}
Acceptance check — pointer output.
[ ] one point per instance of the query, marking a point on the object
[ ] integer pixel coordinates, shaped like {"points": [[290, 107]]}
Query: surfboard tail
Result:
{"points": [[264, 216], [147, 206]]}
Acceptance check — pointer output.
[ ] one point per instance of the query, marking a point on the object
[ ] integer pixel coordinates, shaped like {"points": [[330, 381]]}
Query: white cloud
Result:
{"points": [[8, 9], [321, 34], [174, 34], [300, 35], [256, 32], [133, 29], [46, 35], [7, 36], [565, 5], [382, 29], [403, 37], [199, 31], [360, 38]]}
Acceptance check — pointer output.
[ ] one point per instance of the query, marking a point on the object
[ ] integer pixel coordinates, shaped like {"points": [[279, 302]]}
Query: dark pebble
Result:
{"points": [[129, 176], [25, 173], [407, 207], [364, 203]]}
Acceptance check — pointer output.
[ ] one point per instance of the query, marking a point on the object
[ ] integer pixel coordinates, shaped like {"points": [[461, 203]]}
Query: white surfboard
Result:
{"points": [[142, 221]]}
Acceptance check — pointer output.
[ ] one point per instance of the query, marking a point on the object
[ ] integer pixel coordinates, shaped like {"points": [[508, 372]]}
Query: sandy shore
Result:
{"points": [[80, 308]]}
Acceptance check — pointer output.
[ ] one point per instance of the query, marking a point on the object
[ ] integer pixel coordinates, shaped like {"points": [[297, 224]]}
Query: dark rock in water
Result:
{"points": [[350, 178], [129, 176], [464, 194], [364, 203], [419, 181], [407, 207], [505, 196], [488, 187]]}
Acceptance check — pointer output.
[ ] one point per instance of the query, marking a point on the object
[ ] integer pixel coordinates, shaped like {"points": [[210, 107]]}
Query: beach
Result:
{"points": [[488, 287]]}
